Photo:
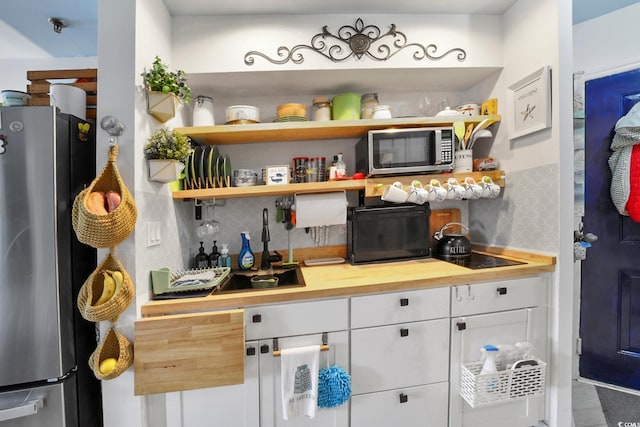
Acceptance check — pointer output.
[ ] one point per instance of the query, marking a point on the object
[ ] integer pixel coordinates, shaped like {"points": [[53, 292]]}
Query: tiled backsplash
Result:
{"points": [[516, 219]]}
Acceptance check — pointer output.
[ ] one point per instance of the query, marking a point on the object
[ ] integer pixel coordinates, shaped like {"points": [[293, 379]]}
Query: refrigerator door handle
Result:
{"points": [[31, 408]]}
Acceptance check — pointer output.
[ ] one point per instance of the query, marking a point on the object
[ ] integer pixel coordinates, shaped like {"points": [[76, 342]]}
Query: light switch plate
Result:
{"points": [[153, 233]]}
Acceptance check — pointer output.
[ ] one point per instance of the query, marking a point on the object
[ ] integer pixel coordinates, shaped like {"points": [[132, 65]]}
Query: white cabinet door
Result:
{"points": [[403, 355], [468, 335], [270, 384], [235, 405], [408, 407]]}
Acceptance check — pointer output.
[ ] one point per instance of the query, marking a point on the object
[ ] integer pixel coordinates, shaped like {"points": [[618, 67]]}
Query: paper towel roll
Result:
{"points": [[313, 210], [69, 99]]}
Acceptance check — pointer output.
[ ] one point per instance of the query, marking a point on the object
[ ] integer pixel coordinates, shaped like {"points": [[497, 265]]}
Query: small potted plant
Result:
{"points": [[166, 152], [164, 89]]}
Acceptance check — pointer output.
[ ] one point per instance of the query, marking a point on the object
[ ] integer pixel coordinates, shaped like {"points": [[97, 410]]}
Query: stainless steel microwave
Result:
{"points": [[406, 151]]}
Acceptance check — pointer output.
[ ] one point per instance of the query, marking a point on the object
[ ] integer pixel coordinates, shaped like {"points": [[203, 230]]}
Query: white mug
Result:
{"points": [[436, 192], [455, 191], [395, 193], [472, 190], [418, 195], [489, 188]]}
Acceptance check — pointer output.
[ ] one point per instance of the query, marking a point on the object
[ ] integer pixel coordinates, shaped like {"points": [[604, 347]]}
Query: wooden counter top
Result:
{"points": [[342, 280]]}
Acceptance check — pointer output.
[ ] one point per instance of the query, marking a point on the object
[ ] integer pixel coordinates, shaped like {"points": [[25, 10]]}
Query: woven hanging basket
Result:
{"points": [[105, 231], [92, 288], [113, 345]]}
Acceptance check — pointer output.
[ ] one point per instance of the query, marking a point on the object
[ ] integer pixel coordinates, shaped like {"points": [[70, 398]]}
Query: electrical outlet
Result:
{"points": [[153, 233]]}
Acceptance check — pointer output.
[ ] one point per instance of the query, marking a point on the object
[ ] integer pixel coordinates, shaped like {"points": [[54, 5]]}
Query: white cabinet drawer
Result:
{"points": [[399, 307], [402, 355], [414, 406], [498, 296], [296, 318]]}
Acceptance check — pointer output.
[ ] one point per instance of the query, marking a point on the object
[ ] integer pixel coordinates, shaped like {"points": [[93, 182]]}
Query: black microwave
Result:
{"points": [[388, 233], [406, 151]]}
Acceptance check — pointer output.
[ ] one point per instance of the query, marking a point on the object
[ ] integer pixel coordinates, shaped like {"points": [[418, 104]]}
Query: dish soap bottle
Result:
{"points": [[224, 260], [246, 259], [213, 256], [202, 260]]}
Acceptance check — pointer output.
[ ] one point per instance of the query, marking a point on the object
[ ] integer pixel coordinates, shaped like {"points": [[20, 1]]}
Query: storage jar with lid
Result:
{"points": [[203, 111], [346, 106], [321, 109], [382, 112], [368, 103]]}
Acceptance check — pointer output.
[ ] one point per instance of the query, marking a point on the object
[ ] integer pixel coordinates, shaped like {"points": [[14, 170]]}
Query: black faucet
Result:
{"points": [[267, 259]]}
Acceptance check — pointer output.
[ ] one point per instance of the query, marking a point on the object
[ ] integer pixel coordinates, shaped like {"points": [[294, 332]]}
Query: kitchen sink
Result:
{"points": [[240, 281]]}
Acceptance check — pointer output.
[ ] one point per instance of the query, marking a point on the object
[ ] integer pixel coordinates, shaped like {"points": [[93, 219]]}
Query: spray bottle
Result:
{"points": [[246, 259], [489, 353]]}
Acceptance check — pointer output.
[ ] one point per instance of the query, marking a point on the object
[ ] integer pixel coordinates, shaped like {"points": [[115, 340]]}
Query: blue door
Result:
{"points": [[610, 298]]}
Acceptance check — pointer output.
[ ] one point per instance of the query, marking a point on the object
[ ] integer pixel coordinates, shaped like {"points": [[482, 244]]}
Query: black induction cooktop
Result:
{"points": [[476, 261]]}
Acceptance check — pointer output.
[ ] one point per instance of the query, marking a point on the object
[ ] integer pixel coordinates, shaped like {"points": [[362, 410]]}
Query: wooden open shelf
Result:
{"points": [[271, 190], [312, 130], [373, 186]]}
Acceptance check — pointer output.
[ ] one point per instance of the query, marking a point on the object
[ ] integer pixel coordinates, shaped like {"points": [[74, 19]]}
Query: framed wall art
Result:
{"points": [[529, 104]]}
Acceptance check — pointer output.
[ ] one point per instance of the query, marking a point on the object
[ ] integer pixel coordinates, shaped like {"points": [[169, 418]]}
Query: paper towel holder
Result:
{"points": [[320, 209]]}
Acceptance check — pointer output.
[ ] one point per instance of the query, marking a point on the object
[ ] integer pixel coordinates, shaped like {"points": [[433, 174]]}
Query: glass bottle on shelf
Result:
{"points": [[341, 168], [202, 259], [213, 256]]}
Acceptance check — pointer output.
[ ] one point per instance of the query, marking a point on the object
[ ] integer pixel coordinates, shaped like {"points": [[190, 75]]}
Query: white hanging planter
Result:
{"points": [[164, 170], [162, 106]]}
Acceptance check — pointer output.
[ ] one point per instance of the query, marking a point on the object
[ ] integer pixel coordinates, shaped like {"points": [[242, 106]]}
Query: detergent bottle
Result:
{"points": [[246, 259]]}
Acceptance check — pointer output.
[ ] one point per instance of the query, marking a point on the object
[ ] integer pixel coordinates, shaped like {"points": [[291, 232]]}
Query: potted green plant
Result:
{"points": [[164, 90], [166, 152]]}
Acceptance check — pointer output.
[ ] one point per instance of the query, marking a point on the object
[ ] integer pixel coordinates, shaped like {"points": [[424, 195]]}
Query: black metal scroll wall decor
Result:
{"points": [[356, 41]]}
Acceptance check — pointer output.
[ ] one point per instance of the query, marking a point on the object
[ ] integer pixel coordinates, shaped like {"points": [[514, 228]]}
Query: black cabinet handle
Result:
{"points": [[264, 348], [461, 326], [257, 318], [502, 291], [404, 302], [251, 351], [404, 332], [403, 398]]}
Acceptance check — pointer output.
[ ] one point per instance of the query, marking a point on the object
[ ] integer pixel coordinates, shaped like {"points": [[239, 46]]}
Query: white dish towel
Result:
{"points": [[299, 379]]}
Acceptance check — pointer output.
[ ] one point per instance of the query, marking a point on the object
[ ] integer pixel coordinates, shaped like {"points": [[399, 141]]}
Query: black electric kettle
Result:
{"points": [[452, 245]]}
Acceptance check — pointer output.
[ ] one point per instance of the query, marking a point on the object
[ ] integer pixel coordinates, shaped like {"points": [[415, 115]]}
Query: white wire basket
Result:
{"points": [[506, 385]]}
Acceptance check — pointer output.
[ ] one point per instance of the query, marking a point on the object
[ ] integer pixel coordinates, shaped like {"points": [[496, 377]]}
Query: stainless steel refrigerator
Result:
{"points": [[44, 342]]}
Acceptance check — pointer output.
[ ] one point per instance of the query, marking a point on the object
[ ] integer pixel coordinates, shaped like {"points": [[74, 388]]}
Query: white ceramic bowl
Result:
{"points": [[243, 114], [14, 98]]}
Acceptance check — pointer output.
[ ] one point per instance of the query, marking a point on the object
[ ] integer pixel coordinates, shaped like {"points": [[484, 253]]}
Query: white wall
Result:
{"points": [[607, 43]]}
